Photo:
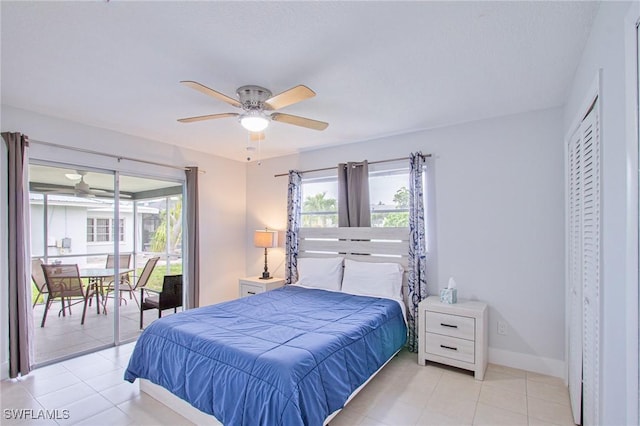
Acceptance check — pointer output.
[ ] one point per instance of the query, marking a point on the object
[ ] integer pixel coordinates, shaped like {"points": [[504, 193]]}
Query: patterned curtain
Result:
{"points": [[417, 280], [294, 205]]}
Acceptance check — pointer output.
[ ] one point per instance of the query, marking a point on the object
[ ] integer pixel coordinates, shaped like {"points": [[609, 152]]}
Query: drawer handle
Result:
{"points": [[448, 325], [449, 347], [251, 292]]}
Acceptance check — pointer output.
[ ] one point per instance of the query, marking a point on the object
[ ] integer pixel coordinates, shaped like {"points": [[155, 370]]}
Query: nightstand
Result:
{"points": [[454, 334], [254, 285]]}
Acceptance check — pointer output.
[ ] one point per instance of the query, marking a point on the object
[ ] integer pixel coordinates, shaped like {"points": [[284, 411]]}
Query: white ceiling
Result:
{"points": [[378, 68]]}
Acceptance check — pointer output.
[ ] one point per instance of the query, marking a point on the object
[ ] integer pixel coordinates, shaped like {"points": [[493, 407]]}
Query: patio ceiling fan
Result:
{"points": [[256, 102], [80, 189]]}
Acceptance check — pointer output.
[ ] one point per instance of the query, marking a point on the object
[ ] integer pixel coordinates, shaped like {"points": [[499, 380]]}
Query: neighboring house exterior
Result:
{"points": [[85, 226]]}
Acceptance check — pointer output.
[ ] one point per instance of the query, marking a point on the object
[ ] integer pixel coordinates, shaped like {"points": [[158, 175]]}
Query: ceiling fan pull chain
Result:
{"points": [[259, 153]]}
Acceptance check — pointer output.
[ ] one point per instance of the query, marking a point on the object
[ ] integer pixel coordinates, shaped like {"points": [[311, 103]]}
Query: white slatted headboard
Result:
{"points": [[361, 244]]}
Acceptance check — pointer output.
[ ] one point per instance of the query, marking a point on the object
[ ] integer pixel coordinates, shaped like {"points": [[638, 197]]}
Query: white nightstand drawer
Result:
{"points": [[250, 290], [451, 325], [451, 347], [254, 285]]}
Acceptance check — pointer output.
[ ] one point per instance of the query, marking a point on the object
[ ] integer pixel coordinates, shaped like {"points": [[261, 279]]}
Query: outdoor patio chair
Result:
{"points": [[169, 297], [64, 283], [38, 279], [125, 263], [126, 286]]}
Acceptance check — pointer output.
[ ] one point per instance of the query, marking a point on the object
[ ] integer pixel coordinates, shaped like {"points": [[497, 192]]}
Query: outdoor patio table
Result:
{"points": [[96, 276]]}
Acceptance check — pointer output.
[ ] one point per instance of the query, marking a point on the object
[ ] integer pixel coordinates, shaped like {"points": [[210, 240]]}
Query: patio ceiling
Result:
{"points": [[49, 179]]}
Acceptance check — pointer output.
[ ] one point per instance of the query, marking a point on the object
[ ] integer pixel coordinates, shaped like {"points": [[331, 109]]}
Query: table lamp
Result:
{"points": [[265, 239]]}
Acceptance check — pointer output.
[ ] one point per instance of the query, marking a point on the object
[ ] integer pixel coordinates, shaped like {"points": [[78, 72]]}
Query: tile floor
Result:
{"points": [[91, 388]]}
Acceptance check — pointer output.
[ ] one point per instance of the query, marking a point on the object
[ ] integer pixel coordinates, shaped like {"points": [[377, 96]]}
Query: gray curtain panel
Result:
{"points": [[193, 240], [294, 209], [417, 278], [20, 315], [353, 194]]}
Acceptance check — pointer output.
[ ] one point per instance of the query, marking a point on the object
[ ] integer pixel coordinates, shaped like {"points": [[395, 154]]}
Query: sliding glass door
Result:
{"points": [[103, 225], [72, 230], [155, 209]]}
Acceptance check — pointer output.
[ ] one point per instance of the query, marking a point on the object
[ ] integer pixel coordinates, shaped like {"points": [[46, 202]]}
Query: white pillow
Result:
{"points": [[316, 272], [373, 279]]}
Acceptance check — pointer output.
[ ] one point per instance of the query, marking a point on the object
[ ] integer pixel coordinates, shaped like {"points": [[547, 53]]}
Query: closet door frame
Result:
{"points": [[632, 82]]}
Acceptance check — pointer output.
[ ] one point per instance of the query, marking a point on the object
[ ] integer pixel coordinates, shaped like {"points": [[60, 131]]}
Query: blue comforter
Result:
{"points": [[290, 356]]}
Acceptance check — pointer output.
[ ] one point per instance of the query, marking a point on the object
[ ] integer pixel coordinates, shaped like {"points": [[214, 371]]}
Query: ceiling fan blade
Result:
{"points": [[208, 91], [299, 121], [289, 97], [53, 191], [208, 117]]}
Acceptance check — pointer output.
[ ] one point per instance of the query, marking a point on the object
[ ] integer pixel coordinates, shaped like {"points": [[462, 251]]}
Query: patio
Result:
{"points": [[63, 336]]}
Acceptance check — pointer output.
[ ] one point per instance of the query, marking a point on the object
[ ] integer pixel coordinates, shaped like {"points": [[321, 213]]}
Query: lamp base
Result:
{"points": [[265, 276]]}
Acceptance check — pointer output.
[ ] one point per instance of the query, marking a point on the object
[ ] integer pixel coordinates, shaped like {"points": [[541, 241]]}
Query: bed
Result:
{"points": [[291, 356]]}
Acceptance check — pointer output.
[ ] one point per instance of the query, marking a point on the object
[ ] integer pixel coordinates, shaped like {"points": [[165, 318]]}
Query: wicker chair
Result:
{"points": [[64, 283], [169, 297]]}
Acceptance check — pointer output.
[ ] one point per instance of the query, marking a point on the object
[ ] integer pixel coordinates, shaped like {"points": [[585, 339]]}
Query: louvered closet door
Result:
{"points": [[574, 192], [591, 266], [583, 193]]}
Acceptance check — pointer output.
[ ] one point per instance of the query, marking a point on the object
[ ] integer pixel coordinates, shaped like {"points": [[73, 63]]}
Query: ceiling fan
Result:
{"points": [[81, 189], [254, 101]]}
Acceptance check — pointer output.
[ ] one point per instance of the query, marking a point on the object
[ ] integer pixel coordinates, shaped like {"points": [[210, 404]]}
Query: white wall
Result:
{"points": [[605, 50], [222, 190], [499, 221]]}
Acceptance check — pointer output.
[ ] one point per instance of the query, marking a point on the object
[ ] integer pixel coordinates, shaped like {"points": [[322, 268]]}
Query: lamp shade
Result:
{"points": [[265, 239]]}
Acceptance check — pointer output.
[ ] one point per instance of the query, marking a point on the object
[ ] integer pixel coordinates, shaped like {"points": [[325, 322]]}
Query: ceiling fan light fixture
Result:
{"points": [[73, 176], [254, 121]]}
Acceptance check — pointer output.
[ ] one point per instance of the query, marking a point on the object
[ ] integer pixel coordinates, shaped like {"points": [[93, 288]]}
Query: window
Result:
{"points": [[388, 194], [320, 202], [389, 197], [101, 229]]}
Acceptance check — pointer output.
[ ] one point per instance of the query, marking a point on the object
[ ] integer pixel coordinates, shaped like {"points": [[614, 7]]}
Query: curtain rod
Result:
{"points": [[335, 167], [117, 157]]}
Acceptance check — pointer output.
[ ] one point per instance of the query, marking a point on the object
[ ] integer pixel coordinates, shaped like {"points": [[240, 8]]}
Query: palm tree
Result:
{"points": [[316, 204], [159, 240]]}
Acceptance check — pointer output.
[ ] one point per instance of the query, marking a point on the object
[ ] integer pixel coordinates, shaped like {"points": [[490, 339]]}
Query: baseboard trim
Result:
{"points": [[536, 364]]}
